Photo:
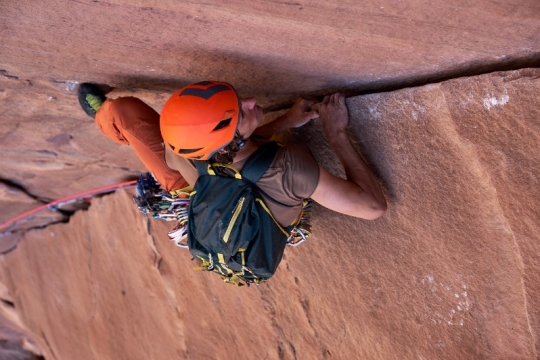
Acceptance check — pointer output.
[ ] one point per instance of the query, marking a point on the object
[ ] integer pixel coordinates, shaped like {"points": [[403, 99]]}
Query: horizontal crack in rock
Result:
{"points": [[475, 68], [6, 75]]}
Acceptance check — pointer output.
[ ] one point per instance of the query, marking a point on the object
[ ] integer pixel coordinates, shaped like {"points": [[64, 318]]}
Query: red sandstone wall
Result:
{"points": [[450, 272], [457, 158]]}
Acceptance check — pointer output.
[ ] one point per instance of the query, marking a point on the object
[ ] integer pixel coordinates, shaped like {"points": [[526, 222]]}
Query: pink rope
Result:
{"points": [[89, 193]]}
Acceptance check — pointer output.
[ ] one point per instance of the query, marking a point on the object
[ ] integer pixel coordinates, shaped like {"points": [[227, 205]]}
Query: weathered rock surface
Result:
{"points": [[274, 51], [457, 160], [450, 272], [15, 203], [52, 149]]}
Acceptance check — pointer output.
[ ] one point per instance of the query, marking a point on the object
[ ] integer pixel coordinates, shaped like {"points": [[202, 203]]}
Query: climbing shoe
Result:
{"points": [[90, 98]]}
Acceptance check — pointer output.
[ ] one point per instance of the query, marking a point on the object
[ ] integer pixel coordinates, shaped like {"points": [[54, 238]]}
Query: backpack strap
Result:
{"points": [[259, 162], [255, 166], [201, 166]]}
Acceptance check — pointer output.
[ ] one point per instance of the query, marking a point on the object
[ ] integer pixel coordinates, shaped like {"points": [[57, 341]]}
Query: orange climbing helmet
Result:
{"points": [[200, 119]]}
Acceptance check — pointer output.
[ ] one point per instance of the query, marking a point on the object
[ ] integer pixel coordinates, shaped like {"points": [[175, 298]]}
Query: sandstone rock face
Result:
{"points": [[51, 148], [274, 51], [450, 272]]}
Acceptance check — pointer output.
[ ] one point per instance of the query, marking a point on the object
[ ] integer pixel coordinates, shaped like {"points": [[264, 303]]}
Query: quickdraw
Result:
{"points": [[302, 230], [168, 206]]}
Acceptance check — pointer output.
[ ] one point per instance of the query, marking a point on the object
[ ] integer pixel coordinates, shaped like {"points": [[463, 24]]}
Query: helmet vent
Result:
{"points": [[172, 146], [222, 124], [205, 93], [188, 151]]}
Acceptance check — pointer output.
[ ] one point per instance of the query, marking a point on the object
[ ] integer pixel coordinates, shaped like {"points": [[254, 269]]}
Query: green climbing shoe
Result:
{"points": [[91, 98]]}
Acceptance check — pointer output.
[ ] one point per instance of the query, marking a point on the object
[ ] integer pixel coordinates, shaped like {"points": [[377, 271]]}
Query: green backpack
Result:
{"points": [[230, 229]]}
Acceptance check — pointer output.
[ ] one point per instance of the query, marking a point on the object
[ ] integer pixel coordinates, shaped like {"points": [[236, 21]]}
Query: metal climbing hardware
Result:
{"points": [[302, 230], [170, 206]]}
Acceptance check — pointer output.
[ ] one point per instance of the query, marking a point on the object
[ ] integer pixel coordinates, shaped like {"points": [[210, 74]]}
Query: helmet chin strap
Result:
{"points": [[241, 141]]}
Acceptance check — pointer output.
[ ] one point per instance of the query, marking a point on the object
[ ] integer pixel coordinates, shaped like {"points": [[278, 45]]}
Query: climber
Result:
{"points": [[208, 121], [296, 174], [250, 196]]}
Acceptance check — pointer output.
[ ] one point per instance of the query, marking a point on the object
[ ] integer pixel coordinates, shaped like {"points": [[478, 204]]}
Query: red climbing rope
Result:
{"points": [[53, 205]]}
